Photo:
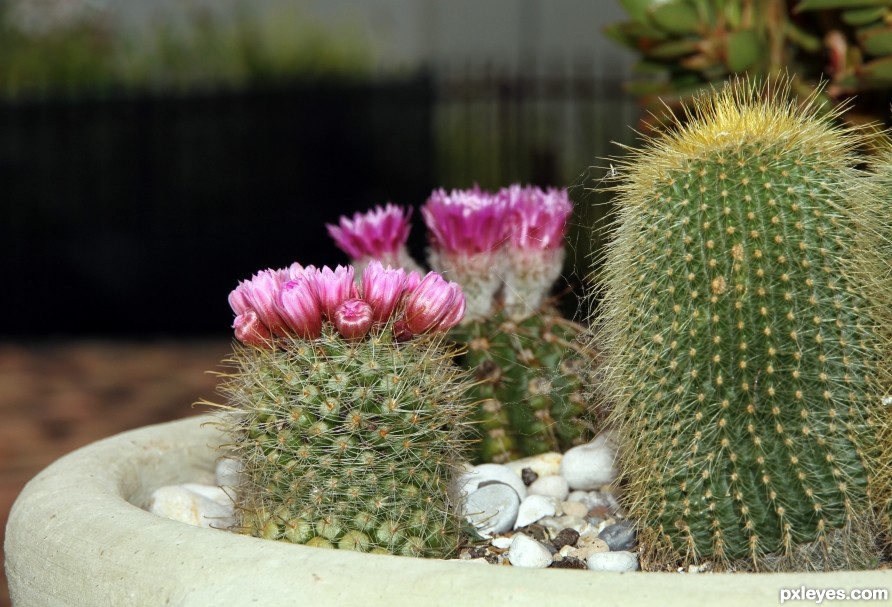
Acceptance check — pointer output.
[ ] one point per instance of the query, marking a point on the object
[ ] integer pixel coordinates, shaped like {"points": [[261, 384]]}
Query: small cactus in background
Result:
{"points": [[346, 411], [506, 251], [738, 327]]}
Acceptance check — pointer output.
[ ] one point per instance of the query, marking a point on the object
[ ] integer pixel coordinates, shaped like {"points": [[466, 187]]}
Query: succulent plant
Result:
{"points": [[506, 251], [687, 44], [739, 326], [378, 234], [346, 411]]}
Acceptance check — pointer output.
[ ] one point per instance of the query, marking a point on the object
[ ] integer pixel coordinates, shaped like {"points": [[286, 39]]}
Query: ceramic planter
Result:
{"points": [[78, 536]]}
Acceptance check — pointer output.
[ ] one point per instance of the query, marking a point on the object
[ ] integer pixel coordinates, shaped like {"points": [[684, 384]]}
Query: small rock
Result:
{"points": [[502, 542], [544, 464], [228, 472], [619, 536], [551, 485], [179, 503], [592, 499], [574, 509], [218, 494], [492, 508], [528, 476], [485, 473], [567, 537], [568, 562], [585, 547], [556, 524], [527, 552], [589, 466], [533, 508], [612, 561]]}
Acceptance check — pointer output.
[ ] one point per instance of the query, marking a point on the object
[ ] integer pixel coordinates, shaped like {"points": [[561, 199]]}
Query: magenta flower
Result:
{"points": [[465, 221], [382, 289], [376, 234], [250, 330], [259, 294], [433, 305], [353, 319], [537, 219], [298, 306], [333, 287]]}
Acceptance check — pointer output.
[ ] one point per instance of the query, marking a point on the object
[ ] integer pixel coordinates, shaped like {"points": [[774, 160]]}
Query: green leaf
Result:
{"points": [[876, 72], [673, 49], [812, 5], [864, 16], [675, 17], [876, 41], [637, 9], [803, 38], [743, 49]]}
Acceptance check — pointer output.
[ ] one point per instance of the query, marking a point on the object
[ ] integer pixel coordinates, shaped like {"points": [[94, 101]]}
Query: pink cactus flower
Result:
{"points": [[250, 330], [353, 319], [383, 289], [433, 305], [259, 294], [377, 234], [298, 305], [465, 221], [537, 219], [333, 287]]}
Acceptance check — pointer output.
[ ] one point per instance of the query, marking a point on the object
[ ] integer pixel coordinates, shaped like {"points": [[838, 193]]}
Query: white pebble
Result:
{"points": [[228, 472], [502, 542], [574, 509], [544, 464], [527, 552], [551, 485], [589, 546], [485, 473], [179, 503], [592, 499], [492, 508], [533, 508], [613, 561], [589, 466]]}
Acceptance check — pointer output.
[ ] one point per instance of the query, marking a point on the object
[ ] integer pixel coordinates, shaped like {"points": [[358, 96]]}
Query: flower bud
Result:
{"points": [[250, 330], [382, 289], [299, 307], [431, 302], [259, 294], [353, 318], [376, 234], [333, 287]]}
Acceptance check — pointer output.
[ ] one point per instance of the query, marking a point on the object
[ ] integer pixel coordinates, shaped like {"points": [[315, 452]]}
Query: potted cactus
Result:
{"points": [[745, 347]]}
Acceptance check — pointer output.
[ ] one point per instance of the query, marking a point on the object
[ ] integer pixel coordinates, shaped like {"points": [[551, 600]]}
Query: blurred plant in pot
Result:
{"points": [[686, 45], [347, 414], [506, 250], [45, 48]]}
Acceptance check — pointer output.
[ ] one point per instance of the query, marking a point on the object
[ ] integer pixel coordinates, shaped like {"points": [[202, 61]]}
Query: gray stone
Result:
{"points": [[193, 507], [484, 473], [551, 485], [612, 561], [619, 536], [589, 466], [533, 508], [527, 552], [492, 508], [543, 464]]}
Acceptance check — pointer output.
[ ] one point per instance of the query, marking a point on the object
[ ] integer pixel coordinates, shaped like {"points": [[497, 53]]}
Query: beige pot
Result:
{"points": [[77, 535]]}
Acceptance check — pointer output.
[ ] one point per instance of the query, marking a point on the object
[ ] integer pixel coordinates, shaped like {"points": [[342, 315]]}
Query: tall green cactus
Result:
{"points": [[347, 413], [739, 346]]}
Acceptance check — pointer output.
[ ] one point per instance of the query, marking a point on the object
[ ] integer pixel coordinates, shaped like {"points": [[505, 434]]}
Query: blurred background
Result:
{"points": [[155, 152]]}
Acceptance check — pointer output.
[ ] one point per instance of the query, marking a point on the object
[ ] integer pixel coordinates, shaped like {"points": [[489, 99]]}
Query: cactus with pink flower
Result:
{"points": [[506, 250], [346, 410]]}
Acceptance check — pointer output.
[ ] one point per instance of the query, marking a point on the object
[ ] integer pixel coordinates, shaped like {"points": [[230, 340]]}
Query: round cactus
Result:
{"points": [[347, 413], [740, 355]]}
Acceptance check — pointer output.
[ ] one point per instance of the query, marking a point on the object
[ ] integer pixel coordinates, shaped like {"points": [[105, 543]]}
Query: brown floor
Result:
{"points": [[56, 397]]}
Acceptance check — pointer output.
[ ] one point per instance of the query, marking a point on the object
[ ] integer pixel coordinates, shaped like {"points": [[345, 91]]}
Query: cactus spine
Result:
{"points": [[739, 351], [350, 438]]}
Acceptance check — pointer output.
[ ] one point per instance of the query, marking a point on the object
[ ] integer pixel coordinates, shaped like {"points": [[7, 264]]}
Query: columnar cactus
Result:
{"points": [[506, 250], [346, 411], [740, 351]]}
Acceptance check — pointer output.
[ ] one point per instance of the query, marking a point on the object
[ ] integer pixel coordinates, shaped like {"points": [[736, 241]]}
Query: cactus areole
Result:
{"points": [[739, 352]]}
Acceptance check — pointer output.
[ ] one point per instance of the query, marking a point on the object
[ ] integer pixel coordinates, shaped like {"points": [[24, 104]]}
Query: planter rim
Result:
{"points": [[77, 536]]}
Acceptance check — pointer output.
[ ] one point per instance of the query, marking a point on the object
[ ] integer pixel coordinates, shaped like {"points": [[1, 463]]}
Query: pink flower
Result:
{"points": [[382, 289], [299, 307], [353, 318], [259, 294], [537, 219], [379, 233], [250, 330], [293, 271], [465, 221], [333, 287], [433, 305]]}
